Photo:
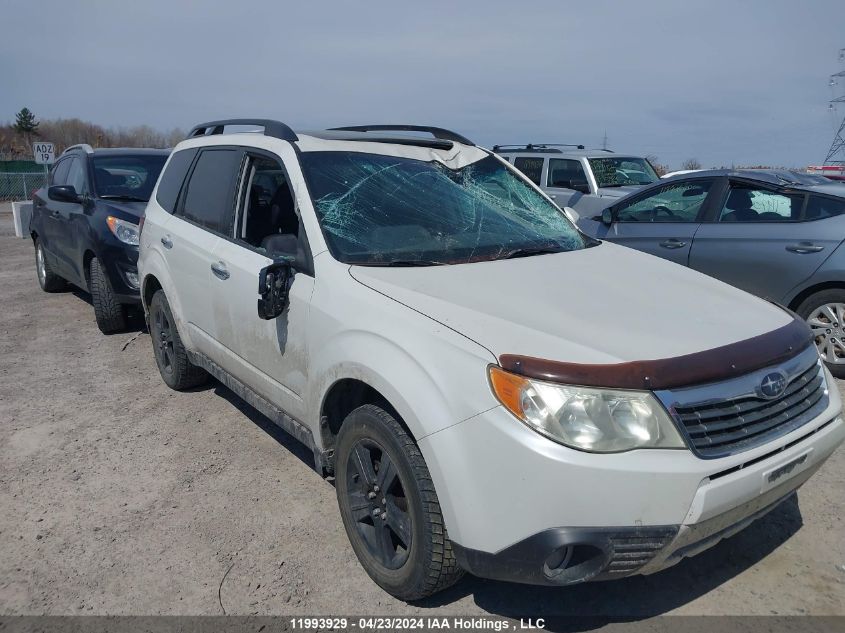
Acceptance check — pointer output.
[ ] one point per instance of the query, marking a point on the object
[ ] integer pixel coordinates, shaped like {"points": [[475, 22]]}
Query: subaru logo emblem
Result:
{"points": [[773, 384]]}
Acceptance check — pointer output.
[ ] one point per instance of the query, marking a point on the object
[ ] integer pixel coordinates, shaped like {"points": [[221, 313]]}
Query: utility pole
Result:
{"points": [[836, 153]]}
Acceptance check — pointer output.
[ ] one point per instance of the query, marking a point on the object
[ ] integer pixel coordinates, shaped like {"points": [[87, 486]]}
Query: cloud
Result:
{"points": [[726, 82]]}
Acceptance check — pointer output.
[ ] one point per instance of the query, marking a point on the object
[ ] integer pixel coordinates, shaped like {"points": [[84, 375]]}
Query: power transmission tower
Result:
{"points": [[836, 153]]}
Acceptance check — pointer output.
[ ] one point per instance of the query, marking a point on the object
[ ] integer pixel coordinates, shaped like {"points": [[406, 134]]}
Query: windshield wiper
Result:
{"points": [[406, 263], [109, 196], [529, 252]]}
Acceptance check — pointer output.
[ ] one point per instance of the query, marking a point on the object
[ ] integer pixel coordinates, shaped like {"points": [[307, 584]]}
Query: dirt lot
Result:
{"points": [[119, 496]]}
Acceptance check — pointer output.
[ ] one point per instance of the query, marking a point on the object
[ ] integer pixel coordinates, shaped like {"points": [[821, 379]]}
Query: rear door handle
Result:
{"points": [[804, 247], [219, 269], [165, 241], [673, 243]]}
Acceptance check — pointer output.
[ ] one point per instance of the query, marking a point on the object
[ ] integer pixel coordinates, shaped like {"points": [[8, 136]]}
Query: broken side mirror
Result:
{"points": [[607, 216], [273, 286]]}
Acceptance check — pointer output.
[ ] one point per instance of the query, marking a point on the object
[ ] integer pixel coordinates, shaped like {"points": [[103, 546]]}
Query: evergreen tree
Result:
{"points": [[25, 121]]}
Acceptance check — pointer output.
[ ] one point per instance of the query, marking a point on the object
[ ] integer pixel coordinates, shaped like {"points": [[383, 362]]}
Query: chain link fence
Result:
{"points": [[20, 186]]}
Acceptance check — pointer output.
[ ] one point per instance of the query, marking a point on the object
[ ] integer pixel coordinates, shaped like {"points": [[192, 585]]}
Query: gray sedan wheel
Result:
{"points": [[825, 314]]}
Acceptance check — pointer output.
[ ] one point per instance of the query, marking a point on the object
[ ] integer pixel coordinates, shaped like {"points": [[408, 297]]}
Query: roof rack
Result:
{"points": [[436, 132], [536, 147], [83, 146], [276, 129]]}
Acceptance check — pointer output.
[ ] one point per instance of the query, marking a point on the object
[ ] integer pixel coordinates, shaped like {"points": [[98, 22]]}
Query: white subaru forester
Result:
{"points": [[492, 390]]}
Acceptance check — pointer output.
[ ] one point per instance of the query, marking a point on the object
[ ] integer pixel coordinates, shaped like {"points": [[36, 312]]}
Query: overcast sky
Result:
{"points": [[724, 82]]}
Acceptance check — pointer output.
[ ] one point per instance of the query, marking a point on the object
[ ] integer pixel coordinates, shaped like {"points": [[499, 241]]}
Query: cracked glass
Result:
{"points": [[386, 210]]}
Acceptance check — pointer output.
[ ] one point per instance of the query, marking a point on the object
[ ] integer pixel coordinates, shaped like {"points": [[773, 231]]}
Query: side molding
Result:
{"points": [[278, 417]]}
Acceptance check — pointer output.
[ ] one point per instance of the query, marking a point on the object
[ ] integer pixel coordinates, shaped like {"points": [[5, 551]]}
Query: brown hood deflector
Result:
{"points": [[720, 363]]}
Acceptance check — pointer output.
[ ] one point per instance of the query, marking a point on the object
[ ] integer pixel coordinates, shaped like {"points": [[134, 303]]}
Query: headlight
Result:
{"points": [[589, 419], [126, 232]]}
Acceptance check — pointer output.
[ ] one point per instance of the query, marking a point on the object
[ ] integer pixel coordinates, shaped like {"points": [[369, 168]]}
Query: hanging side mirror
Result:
{"points": [[273, 287], [607, 216]]}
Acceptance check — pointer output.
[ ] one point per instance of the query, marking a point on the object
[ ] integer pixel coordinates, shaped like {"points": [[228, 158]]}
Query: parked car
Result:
{"points": [[491, 389], [586, 180], [776, 234], [85, 226]]}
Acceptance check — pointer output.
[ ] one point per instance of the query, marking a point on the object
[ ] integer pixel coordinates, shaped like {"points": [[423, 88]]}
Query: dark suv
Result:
{"points": [[85, 225]]}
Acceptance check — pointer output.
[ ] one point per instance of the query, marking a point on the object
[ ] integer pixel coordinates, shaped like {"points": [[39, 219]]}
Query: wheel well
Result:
{"points": [[151, 285], [86, 264], [343, 397], [808, 292]]}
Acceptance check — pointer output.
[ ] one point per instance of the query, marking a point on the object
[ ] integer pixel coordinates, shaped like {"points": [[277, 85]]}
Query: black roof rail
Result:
{"points": [[276, 129], [532, 147], [436, 132]]}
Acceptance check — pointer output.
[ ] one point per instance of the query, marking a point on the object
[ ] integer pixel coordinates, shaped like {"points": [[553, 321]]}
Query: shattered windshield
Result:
{"points": [[619, 172], [386, 210]]}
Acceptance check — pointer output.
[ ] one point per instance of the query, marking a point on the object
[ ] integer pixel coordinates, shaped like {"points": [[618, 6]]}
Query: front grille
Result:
{"points": [[729, 426]]}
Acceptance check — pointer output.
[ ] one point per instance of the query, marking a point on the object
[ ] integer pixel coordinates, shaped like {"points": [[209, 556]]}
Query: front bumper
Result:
{"points": [[121, 264], [522, 508]]}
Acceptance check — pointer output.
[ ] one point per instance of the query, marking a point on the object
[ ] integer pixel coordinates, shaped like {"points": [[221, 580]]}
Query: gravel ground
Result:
{"points": [[119, 496]]}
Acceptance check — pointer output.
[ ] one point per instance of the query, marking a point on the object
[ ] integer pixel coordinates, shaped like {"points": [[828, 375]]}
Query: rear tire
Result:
{"points": [[110, 314], [47, 279], [176, 370], [824, 312], [389, 507]]}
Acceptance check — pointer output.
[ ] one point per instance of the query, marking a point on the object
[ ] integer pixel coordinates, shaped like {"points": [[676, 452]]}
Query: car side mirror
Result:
{"points": [[63, 193], [607, 216], [273, 286], [580, 186]]}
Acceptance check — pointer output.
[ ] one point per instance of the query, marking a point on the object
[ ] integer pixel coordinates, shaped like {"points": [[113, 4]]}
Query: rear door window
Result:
{"points": [[747, 203], [210, 194], [530, 166], [173, 178]]}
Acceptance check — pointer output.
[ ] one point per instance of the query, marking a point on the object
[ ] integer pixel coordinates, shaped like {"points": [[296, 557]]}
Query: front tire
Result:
{"points": [[47, 279], [824, 312], [389, 507], [171, 357], [109, 312]]}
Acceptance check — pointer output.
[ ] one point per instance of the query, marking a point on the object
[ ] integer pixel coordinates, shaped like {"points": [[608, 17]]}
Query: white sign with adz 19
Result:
{"points": [[45, 154]]}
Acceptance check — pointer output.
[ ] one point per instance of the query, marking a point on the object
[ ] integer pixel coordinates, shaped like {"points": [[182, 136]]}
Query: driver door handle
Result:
{"points": [[673, 243], [219, 269], [804, 247]]}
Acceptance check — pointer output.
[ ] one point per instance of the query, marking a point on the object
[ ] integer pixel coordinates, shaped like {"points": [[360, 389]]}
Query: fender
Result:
{"points": [[418, 395]]}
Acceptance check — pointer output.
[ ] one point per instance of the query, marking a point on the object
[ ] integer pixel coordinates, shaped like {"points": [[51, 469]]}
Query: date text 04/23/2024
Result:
{"points": [[416, 623]]}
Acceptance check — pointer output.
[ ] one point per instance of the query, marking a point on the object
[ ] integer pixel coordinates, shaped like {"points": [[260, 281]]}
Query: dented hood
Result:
{"points": [[603, 304]]}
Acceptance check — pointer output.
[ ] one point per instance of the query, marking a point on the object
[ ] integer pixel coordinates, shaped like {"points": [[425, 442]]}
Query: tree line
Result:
{"points": [[16, 138]]}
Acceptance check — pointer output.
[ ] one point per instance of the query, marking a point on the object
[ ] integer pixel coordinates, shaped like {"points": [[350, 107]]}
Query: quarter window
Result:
{"points": [[530, 166], [678, 202], [209, 199], [565, 173], [819, 207], [753, 204]]}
